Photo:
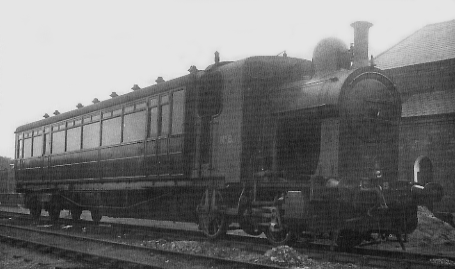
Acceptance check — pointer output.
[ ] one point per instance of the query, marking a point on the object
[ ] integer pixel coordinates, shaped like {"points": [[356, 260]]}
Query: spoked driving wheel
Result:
{"points": [[278, 232], [279, 237]]}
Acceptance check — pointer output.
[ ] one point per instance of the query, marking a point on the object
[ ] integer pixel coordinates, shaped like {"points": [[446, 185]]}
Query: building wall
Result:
{"points": [[427, 153], [427, 135]]}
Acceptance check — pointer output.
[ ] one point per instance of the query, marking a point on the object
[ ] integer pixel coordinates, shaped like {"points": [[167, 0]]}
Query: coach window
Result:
{"points": [[20, 146], [18, 149], [90, 134], [111, 130], [153, 118], [58, 139], [178, 109], [134, 123], [165, 119], [73, 137], [37, 143], [28, 146], [47, 141]]}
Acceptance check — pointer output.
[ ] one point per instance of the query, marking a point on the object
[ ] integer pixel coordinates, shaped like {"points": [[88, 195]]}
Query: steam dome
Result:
{"points": [[331, 54]]}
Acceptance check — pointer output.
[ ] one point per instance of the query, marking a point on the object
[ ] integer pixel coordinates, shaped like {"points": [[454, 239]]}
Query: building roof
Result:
{"points": [[434, 42]]}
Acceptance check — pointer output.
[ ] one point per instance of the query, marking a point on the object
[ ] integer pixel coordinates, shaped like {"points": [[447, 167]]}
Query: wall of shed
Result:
{"points": [[428, 123]]}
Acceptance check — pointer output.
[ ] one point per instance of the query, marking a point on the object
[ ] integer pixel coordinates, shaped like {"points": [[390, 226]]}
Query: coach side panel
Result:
{"points": [[131, 145]]}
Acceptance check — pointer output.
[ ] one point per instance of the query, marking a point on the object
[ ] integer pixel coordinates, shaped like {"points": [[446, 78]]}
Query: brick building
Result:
{"points": [[423, 68]]}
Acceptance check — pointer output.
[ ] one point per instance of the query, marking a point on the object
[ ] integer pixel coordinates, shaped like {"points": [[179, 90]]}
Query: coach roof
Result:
{"points": [[129, 97]]}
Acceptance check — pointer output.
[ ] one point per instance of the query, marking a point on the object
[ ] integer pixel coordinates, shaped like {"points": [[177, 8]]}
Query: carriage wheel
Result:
{"points": [[278, 238], [76, 213], [214, 225], [96, 215], [212, 221]]}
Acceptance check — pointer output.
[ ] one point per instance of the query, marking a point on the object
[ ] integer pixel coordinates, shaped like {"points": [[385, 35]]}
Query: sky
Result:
{"points": [[56, 54]]}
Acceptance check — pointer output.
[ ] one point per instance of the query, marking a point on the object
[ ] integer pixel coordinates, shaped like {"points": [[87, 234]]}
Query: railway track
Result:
{"points": [[111, 254], [363, 257]]}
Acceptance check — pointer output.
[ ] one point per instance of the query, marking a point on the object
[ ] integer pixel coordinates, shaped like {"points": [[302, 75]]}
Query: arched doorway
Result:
{"points": [[423, 170]]}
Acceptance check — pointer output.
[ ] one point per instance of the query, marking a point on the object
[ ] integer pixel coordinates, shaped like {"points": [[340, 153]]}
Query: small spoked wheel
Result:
{"points": [[76, 213], [281, 237], [214, 225], [96, 215]]}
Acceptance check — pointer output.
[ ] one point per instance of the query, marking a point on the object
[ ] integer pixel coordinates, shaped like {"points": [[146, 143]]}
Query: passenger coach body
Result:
{"points": [[153, 145]]}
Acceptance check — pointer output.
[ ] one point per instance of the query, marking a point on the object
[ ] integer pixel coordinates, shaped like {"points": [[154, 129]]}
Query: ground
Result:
{"points": [[21, 258]]}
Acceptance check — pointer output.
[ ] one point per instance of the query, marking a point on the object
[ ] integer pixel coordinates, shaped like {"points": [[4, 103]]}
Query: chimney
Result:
{"points": [[361, 29]]}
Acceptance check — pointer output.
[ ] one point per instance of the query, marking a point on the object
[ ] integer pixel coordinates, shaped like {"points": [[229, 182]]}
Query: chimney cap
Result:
{"points": [[95, 101], [56, 112], [79, 105], [46, 116], [113, 94], [365, 24]]}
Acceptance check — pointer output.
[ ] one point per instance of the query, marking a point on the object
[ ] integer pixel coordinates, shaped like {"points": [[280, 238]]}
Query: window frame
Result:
{"points": [[134, 108], [151, 106], [88, 120], [107, 116], [181, 127], [36, 134]]}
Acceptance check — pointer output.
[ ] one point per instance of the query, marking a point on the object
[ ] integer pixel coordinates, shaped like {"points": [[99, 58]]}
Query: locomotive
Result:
{"points": [[269, 144]]}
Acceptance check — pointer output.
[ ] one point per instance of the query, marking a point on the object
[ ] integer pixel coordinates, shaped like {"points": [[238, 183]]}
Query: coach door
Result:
{"points": [[166, 134], [209, 105], [163, 135]]}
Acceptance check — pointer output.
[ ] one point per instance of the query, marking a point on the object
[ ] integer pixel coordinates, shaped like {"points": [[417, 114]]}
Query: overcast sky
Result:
{"points": [[56, 54]]}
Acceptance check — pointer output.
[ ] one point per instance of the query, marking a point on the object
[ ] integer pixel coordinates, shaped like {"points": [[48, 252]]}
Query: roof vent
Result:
{"points": [[193, 69], [46, 116], [79, 106], [56, 112], [136, 87], [159, 80], [113, 94], [95, 101], [217, 57]]}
